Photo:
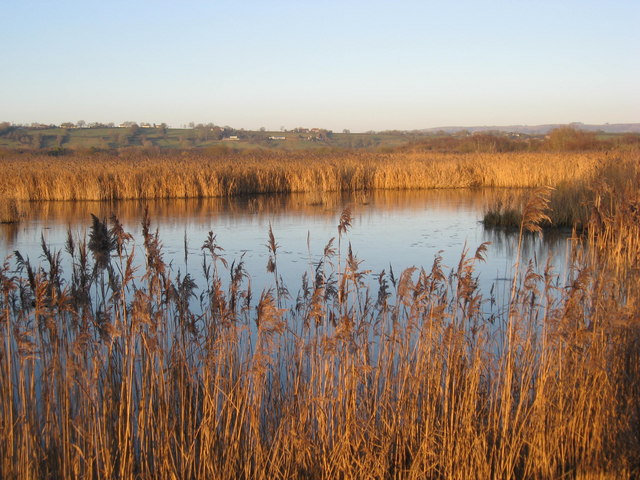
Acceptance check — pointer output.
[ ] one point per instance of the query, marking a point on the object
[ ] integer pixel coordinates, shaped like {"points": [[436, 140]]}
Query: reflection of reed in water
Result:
{"points": [[313, 204], [204, 213], [9, 232], [10, 210], [535, 247]]}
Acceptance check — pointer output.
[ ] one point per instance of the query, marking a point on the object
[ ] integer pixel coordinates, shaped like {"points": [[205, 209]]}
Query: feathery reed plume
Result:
{"points": [[345, 221], [272, 246], [211, 245], [535, 210], [329, 251], [282, 292], [156, 272], [181, 293], [118, 235], [237, 273], [70, 244], [383, 291], [343, 227], [533, 214], [101, 243]]}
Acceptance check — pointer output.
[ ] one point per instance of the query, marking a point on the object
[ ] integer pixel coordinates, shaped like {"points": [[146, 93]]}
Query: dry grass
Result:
{"points": [[570, 200], [144, 176], [161, 175], [110, 372]]}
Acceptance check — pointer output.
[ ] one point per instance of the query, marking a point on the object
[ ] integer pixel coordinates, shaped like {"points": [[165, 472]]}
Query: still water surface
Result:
{"points": [[400, 229]]}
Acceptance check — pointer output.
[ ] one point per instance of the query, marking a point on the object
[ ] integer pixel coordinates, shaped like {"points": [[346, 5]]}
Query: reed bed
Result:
{"points": [[139, 175], [109, 371], [572, 200]]}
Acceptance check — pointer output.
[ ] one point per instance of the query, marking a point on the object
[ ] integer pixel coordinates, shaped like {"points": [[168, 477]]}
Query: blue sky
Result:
{"points": [[361, 65]]}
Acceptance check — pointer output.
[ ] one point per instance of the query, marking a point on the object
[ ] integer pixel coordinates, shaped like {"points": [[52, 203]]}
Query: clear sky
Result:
{"points": [[361, 65]]}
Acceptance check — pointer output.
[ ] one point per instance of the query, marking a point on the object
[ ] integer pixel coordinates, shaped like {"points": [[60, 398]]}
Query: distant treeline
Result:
{"points": [[558, 140], [69, 138]]}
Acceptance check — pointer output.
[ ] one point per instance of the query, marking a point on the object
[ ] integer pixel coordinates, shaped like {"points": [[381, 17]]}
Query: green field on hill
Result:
{"points": [[68, 138], [13, 137]]}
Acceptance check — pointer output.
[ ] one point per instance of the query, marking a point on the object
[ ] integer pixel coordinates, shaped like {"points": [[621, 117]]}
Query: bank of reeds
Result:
{"points": [[113, 372], [572, 199], [139, 175]]}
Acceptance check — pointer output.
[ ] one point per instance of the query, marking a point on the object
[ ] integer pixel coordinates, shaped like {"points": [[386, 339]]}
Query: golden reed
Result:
{"points": [[140, 175], [112, 372]]}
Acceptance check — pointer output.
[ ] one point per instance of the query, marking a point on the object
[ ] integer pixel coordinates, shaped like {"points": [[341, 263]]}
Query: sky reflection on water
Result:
{"points": [[400, 229]]}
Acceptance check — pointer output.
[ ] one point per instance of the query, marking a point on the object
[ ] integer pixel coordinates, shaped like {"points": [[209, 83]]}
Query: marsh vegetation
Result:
{"points": [[118, 368], [110, 372], [140, 175]]}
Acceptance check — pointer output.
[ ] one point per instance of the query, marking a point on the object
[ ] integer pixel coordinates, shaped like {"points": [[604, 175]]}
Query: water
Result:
{"points": [[390, 229]]}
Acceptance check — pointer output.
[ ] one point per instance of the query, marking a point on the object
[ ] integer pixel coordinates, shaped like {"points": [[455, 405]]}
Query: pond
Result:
{"points": [[390, 230]]}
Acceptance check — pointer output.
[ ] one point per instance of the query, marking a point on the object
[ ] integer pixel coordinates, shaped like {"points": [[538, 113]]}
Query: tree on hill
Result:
{"points": [[134, 130], [569, 138], [5, 127], [37, 140]]}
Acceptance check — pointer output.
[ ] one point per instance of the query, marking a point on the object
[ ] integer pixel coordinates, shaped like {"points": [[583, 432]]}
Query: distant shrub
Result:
{"points": [[5, 127], [217, 150], [57, 152], [571, 139]]}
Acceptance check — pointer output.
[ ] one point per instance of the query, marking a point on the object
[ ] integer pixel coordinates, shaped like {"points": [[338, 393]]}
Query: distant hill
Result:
{"points": [[543, 129], [58, 140]]}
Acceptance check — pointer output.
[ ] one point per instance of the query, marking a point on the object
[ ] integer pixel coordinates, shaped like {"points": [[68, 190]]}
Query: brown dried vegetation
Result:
{"points": [[114, 373], [143, 175]]}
